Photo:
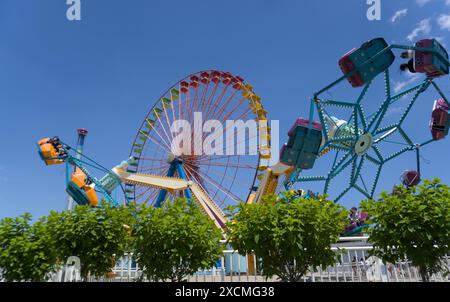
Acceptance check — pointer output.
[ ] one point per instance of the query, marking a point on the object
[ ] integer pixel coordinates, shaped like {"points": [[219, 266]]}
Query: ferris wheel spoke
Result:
{"points": [[156, 141], [209, 191], [221, 110], [195, 177], [398, 153], [222, 114], [439, 91], [342, 166], [373, 160], [151, 196], [343, 193], [210, 104], [242, 116], [226, 117], [214, 184], [194, 101], [234, 179], [375, 181], [187, 103], [231, 112], [211, 97], [179, 105], [155, 168], [341, 161], [215, 157], [169, 138], [223, 177], [363, 183], [246, 139], [153, 171], [175, 141], [229, 178], [142, 192], [199, 108], [217, 102], [361, 190], [152, 159], [422, 89], [168, 122], [358, 171], [223, 190], [232, 165], [203, 98], [396, 143], [200, 180]]}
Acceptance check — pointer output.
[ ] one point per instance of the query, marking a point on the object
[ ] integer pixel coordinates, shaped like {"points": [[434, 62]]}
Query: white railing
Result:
{"points": [[353, 265]]}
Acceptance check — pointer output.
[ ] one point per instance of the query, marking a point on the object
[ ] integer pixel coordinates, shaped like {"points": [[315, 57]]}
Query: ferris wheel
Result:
{"points": [[225, 177]]}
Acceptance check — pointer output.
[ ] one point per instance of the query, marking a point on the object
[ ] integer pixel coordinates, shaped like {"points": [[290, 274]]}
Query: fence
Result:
{"points": [[353, 265]]}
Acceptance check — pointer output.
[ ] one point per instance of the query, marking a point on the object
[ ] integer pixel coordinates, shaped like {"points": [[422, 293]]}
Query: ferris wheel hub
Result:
{"points": [[171, 157], [363, 144]]}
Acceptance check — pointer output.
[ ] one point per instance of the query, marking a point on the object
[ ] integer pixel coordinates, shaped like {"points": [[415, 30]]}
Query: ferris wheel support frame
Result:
{"points": [[175, 166]]}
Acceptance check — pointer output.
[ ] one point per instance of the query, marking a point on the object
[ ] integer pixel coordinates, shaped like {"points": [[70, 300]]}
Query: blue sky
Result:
{"points": [[105, 71]]}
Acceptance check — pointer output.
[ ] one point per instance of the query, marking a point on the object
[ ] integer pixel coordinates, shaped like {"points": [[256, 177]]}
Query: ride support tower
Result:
{"points": [[82, 133]]}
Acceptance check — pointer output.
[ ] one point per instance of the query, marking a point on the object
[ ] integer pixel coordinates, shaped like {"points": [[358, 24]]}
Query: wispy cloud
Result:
{"points": [[399, 14], [423, 27], [423, 2], [444, 21], [413, 77]]}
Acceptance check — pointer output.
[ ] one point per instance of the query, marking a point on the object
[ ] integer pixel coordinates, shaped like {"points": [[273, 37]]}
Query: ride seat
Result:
{"points": [[439, 123], [80, 191], [431, 63], [355, 58], [410, 178], [303, 145], [48, 152]]}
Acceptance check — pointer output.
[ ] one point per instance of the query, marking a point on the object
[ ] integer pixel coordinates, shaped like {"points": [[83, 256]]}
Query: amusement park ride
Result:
{"points": [[155, 172]]}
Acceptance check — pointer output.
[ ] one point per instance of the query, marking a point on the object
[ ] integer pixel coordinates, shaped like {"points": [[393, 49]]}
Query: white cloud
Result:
{"points": [[413, 77], [444, 21], [447, 2], [423, 2], [424, 27], [400, 14]]}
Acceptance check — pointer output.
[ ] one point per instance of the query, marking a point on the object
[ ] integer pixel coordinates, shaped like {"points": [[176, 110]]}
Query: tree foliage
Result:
{"points": [[98, 236], [26, 249], [176, 240], [412, 223], [288, 234]]}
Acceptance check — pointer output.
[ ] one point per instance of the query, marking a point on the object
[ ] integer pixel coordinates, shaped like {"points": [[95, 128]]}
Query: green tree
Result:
{"points": [[26, 249], [98, 236], [175, 241], [288, 234], [412, 223]]}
